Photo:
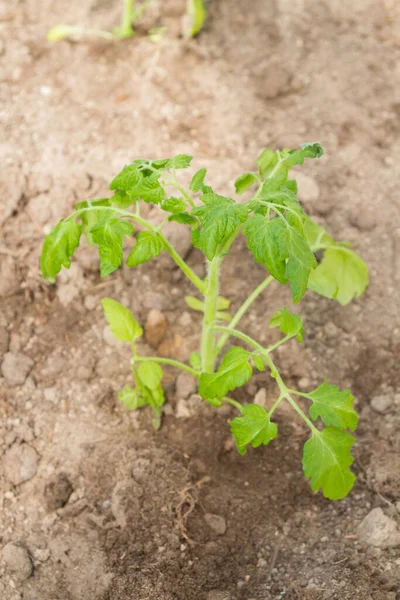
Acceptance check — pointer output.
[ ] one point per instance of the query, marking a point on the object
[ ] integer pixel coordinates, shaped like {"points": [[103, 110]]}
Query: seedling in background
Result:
{"points": [[131, 14], [281, 237]]}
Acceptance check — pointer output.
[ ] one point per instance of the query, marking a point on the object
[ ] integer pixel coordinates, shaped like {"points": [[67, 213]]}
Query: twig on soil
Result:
{"points": [[188, 499]]}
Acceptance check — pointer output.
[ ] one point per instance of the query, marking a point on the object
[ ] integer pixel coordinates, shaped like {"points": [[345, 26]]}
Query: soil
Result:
{"points": [[107, 509]]}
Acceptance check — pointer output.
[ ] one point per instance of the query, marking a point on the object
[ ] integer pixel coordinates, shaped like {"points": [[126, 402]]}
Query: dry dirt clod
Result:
{"points": [[20, 463], [308, 190], [58, 491], [15, 368], [4, 340], [215, 595], [216, 523], [18, 561], [186, 385], [381, 403], [179, 237], [379, 530], [155, 327]]}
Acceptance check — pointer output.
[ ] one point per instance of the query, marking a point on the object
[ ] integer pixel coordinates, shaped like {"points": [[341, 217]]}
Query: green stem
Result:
{"points": [[210, 312], [140, 10], [184, 193], [168, 361], [127, 15], [199, 283], [241, 311], [233, 402], [285, 392], [275, 405]]}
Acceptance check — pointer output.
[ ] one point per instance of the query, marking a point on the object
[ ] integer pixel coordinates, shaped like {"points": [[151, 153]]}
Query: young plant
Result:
{"points": [[197, 15], [282, 238], [130, 15]]}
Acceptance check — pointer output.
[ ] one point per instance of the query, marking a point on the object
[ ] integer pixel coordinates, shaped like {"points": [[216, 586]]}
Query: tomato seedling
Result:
{"points": [[131, 13], [281, 237]]}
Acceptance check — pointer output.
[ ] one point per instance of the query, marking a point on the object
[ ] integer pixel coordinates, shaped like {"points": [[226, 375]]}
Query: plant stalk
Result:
{"points": [[127, 15], [210, 312]]}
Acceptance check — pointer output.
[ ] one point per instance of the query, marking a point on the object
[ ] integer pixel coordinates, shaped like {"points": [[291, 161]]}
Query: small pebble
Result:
{"points": [[18, 561], [216, 523]]}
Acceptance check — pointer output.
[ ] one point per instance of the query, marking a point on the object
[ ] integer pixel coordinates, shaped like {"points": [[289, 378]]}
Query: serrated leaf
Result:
{"points": [[197, 182], [194, 303], [185, 219], [233, 372], [154, 397], [327, 461], [300, 263], [263, 240], [109, 235], [122, 199], [174, 205], [341, 275], [289, 323], [150, 374], [254, 428], [131, 398], [121, 322], [333, 406], [244, 182], [308, 150], [219, 219], [92, 217], [258, 362], [149, 189], [195, 361], [180, 161], [266, 161], [59, 247], [127, 179], [148, 245]]}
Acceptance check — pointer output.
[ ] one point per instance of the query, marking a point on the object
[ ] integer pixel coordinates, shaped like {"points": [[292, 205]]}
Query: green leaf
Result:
{"points": [[263, 240], [327, 461], [91, 217], [120, 320], [195, 361], [223, 316], [59, 247], [223, 303], [300, 263], [219, 218], [194, 303], [184, 218], [127, 179], [150, 374], [174, 205], [148, 245], [258, 362], [289, 323], [316, 235], [180, 161], [149, 189], [266, 161], [154, 397], [244, 182], [233, 372], [197, 183], [131, 399], [197, 15], [109, 237], [334, 406], [297, 157], [122, 199], [342, 275], [254, 428]]}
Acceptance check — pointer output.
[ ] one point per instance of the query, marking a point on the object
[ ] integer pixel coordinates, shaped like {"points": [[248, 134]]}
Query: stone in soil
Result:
{"points": [[17, 561], [155, 327], [186, 385], [379, 530], [179, 237], [20, 463], [57, 491], [15, 368], [381, 403], [216, 523]]}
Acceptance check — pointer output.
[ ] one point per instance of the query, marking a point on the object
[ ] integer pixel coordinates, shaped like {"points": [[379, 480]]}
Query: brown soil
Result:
{"points": [[276, 73]]}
